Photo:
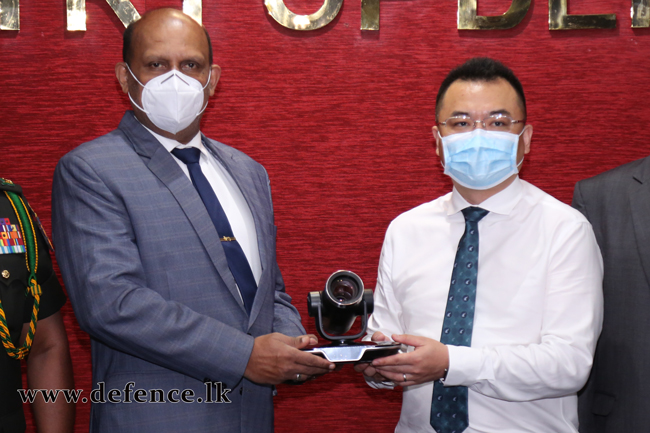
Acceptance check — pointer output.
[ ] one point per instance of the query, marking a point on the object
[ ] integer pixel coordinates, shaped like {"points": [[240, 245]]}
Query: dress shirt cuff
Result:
{"points": [[466, 366], [386, 384]]}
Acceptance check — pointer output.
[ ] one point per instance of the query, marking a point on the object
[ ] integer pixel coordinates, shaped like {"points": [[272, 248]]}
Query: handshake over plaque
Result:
{"points": [[335, 310]]}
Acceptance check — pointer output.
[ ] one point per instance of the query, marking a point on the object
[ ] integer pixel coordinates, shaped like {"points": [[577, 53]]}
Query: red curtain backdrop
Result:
{"points": [[342, 121]]}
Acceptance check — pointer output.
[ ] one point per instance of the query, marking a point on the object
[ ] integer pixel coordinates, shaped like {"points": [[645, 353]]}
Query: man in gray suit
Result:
{"points": [[150, 277], [617, 203]]}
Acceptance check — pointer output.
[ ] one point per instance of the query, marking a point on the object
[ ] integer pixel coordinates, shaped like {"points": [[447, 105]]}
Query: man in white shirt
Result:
{"points": [[507, 325], [166, 244]]}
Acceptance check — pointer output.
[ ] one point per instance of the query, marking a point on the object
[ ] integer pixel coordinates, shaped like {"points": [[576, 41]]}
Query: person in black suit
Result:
{"points": [[617, 203]]}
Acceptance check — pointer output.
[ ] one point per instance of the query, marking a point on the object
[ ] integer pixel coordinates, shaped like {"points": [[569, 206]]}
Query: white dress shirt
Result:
{"points": [[538, 309], [229, 195]]}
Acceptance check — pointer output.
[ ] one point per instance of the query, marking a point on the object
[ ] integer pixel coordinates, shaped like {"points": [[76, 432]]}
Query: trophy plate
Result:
{"points": [[364, 351]]}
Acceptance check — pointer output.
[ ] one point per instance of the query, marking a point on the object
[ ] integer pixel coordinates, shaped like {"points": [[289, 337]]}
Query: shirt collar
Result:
{"points": [[501, 203], [171, 144]]}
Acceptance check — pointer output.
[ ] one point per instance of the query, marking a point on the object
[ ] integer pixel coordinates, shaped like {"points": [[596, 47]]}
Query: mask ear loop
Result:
{"points": [[129, 93], [524, 156], [443, 150], [203, 88]]}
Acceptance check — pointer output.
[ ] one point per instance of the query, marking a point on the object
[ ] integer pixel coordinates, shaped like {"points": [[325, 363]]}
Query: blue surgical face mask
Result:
{"points": [[480, 159]]}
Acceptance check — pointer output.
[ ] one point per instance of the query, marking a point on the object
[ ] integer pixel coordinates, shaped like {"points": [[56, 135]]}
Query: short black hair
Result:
{"points": [[128, 36], [480, 69]]}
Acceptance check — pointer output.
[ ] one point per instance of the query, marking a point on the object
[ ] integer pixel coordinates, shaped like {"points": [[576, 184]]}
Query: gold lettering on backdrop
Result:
{"points": [[124, 10], [76, 11], [468, 20], [640, 13], [369, 14], [9, 15], [559, 19], [288, 19], [194, 8]]}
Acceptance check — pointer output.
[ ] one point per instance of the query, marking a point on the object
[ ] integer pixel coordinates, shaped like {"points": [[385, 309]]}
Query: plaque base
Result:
{"points": [[364, 351]]}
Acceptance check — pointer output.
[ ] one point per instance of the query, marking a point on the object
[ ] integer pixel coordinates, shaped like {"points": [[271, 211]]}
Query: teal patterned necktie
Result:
{"points": [[449, 404]]}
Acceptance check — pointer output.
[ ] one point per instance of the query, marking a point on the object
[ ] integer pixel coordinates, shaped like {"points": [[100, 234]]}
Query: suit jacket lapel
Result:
{"points": [[163, 166], [640, 205], [246, 181]]}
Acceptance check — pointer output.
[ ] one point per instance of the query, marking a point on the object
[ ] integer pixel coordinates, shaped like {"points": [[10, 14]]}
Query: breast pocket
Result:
{"points": [[12, 269]]}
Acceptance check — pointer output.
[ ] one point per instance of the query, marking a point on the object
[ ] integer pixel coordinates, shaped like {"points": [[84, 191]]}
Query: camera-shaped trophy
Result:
{"points": [[335, 310]]}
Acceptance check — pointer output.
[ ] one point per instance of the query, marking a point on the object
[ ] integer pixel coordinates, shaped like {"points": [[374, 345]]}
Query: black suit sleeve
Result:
{"points": [[578, 202]]}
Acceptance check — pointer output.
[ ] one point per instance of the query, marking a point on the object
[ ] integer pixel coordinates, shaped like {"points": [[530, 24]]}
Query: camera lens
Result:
{"points": [[344, 289]]}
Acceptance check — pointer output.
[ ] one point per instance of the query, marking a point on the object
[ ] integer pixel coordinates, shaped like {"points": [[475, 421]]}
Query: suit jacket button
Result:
{"points": [[5, 274]]}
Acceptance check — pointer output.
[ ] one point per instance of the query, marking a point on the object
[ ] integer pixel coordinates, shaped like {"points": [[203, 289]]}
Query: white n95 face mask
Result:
{"points": [[480, 159], [173, 100]]}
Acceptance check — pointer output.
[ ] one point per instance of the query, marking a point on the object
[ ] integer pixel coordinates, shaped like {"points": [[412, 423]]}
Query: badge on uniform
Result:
{"points": [[11, 238]]}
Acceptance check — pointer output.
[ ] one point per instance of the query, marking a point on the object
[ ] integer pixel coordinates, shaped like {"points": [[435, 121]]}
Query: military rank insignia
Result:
{"points": [[11, 238]]}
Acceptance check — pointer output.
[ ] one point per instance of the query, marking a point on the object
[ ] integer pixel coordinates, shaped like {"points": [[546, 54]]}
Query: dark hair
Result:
{"points": [[480, 69], [128, 36]]}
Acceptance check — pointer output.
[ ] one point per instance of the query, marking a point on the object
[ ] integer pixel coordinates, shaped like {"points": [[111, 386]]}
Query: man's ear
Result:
{"points": [[438, 144], [122, 75], [214, 78]]}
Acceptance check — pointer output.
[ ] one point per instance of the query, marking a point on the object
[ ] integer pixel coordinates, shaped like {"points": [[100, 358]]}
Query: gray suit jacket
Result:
{"points": [[617, 395], [149, 281]]}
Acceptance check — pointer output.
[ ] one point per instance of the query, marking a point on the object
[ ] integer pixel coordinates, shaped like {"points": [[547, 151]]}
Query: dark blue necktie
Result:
{"points": [[237, 261], [449, 404]]}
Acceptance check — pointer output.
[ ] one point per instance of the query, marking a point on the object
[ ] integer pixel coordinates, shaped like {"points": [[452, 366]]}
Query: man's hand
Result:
{"points": [[425, 364], [276, 358], [367, 368]]}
